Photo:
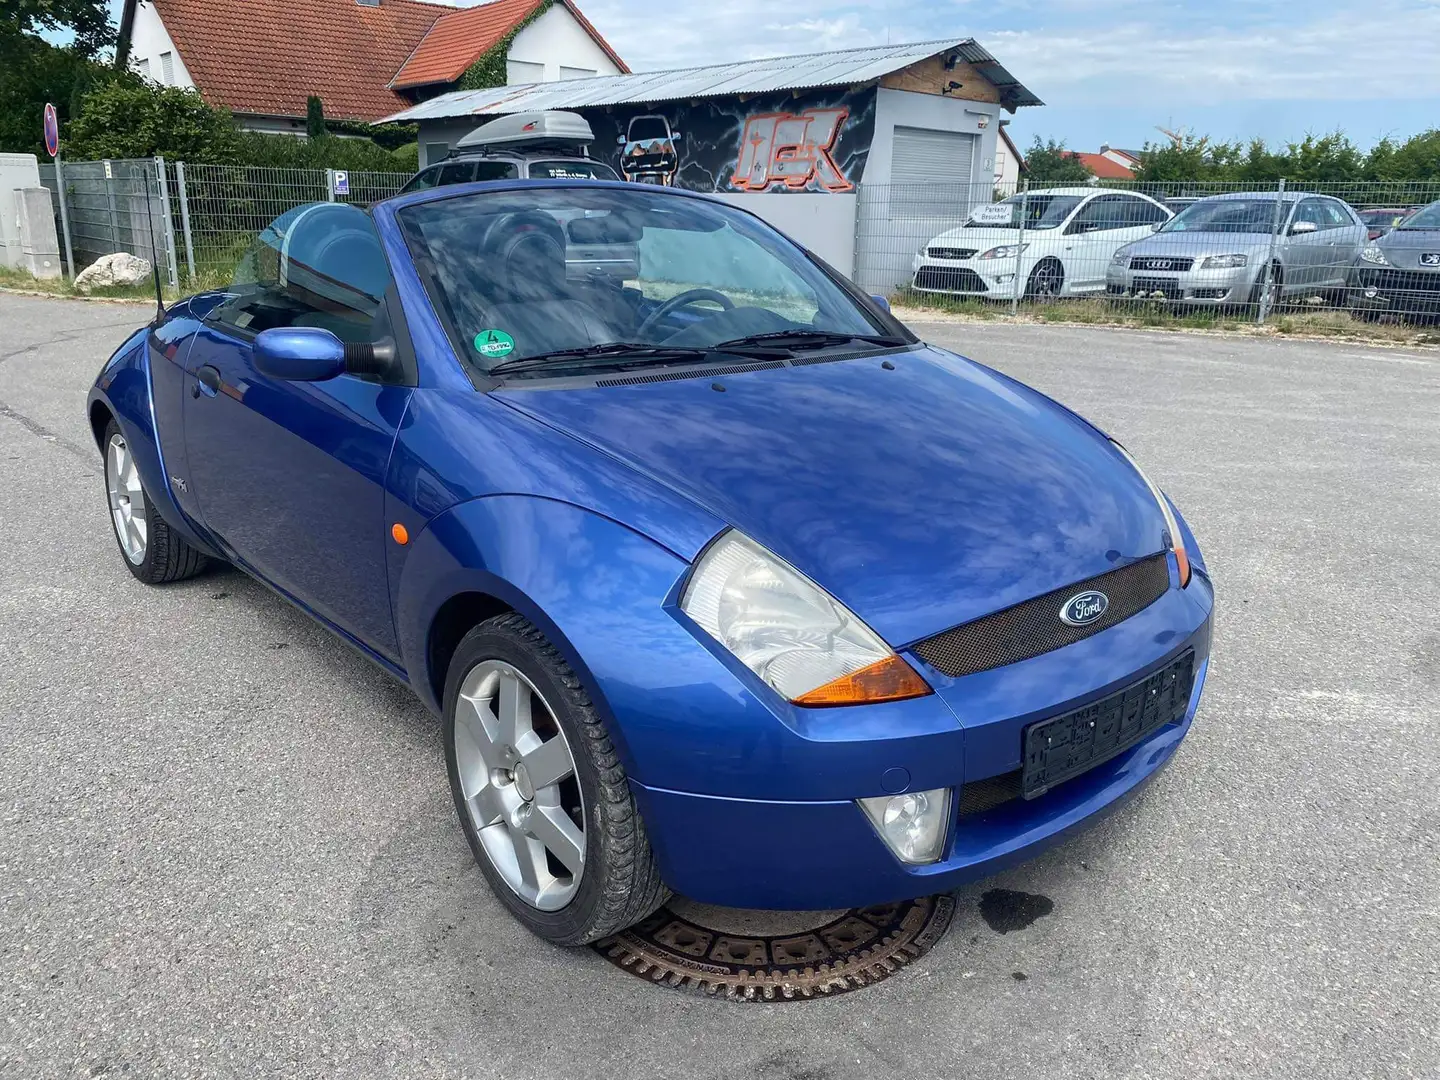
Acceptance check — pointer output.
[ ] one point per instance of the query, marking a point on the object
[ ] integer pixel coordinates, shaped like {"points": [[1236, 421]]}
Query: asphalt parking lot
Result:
{"points": [[227, 847]]}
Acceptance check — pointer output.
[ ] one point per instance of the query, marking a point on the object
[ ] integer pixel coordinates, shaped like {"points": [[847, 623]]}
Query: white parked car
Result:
{"points": [[1069, 238]]}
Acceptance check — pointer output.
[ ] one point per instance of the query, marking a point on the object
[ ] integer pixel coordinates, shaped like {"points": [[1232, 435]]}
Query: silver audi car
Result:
{"points": [[1221, 250]]}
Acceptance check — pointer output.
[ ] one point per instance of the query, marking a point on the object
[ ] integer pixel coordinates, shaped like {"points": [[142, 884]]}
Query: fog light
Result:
{"points": [[1371, 293], [1004, 279], [913, 824]]}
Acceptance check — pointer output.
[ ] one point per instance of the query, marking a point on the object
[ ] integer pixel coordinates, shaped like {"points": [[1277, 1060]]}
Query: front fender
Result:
{"points": [[124, 389], [594, 587]]}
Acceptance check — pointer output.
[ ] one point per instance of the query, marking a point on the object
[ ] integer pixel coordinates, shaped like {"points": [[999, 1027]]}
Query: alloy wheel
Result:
{"points": [[127, 500], [517, 777]]}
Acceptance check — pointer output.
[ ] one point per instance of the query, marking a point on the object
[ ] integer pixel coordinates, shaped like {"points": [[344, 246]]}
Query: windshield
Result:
{"points": [[1041, 212], [644, 128], [571, 170], [1226, 216], [531, 272], [1427, 217]]}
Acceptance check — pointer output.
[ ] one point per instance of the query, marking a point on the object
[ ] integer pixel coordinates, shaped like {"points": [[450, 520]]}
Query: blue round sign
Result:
{"points": [[52, 131]]}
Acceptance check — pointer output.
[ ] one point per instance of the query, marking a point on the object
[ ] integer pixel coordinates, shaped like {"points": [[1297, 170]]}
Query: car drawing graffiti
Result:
{"points": [[648, 154]]}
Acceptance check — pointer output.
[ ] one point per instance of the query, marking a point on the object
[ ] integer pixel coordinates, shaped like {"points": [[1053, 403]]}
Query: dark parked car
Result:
{"points": [[1378, 222], [1401, 270], [527, 146]]}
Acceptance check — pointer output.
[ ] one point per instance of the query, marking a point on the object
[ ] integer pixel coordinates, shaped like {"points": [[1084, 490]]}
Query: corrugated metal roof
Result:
{"points": [[848, 67]]}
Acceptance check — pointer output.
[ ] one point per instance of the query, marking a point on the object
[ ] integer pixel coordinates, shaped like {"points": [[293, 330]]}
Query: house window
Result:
{"points": [[143, 68], [167, 68], [577, 73], [523, 71]]}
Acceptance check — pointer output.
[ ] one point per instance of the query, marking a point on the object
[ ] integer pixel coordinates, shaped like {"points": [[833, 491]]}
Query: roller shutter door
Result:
{"points": [[931, 173]]}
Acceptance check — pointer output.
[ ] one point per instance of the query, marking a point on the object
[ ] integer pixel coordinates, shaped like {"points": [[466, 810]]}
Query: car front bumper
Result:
{"points": [[1388, 288], [991, 278], [782, 852], [1228, 286]]}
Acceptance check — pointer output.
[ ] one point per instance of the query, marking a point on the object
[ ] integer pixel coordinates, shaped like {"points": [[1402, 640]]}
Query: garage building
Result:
{"points": [[861, 154]]}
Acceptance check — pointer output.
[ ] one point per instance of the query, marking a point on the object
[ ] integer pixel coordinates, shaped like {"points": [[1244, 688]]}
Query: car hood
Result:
{"points": [[921, 496], [1403, 247], [1196, 245], [982, 238]]}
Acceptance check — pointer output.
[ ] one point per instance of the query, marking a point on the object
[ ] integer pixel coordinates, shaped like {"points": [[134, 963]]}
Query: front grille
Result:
{"points": [[1064, 746], [1033, 627], [1148, 286], [1417, 290], [950, 279], [951, 253], [1160, 262]]}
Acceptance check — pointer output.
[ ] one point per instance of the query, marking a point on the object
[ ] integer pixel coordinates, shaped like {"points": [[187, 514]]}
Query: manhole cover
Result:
{"points": [[735, 958]]}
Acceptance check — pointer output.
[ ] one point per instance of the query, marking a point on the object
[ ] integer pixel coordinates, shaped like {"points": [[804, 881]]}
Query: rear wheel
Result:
{"points": [[153, 551], [542, 797], [1046, 282]]}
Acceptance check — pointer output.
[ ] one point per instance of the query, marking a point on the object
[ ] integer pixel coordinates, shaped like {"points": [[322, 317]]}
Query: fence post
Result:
{"points": [[329, 185], [1019, 244], [185, 220], [169, 233], [1267, 293], [64, 216], [110, 200]]}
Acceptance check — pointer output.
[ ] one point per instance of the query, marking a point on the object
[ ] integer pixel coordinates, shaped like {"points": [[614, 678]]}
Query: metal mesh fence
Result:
{"points": [[1231, 250], [1183, 247]]}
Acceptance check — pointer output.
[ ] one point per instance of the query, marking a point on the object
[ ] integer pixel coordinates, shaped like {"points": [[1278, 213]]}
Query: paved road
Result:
{"points": [[226, 846]]}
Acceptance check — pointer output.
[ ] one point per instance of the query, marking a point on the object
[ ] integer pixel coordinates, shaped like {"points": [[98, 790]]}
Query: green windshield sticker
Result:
{"points": [[494, 343]]}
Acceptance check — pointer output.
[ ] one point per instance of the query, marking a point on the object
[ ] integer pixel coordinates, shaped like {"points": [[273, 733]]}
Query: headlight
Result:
{"points": [[1373, 254], [1004, 251], [1224, 262], [1177, 542], [1118, 259], [789, 631]]}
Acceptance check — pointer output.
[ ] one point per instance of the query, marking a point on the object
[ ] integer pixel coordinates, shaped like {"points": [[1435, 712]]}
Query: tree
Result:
{"points": [[1050, 163], [89, 20], [315, 118], [32, 73], [132, 118]]}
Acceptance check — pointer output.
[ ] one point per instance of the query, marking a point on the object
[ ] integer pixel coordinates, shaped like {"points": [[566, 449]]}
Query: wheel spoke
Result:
{"points": [[548, 763], [529, 859], [487, 806], [553, 828], [470, 718], [512, 707]]}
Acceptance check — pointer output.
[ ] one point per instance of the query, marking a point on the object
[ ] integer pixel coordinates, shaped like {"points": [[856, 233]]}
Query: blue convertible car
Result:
{"points": [[722, 582]]}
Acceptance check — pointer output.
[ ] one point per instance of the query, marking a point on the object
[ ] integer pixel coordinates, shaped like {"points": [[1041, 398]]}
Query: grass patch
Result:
{"points": [[1157, 315]]}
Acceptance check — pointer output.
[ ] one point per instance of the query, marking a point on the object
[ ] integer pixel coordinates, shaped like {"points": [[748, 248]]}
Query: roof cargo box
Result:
{"points": [[552, 128]]}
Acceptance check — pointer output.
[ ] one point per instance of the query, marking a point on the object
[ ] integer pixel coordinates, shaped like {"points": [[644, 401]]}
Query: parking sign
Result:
{"points": [[342, 183]]}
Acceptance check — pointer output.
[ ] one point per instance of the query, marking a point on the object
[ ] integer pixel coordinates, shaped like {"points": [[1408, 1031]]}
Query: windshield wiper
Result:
{"points": [[611, 353], [801, 338]]}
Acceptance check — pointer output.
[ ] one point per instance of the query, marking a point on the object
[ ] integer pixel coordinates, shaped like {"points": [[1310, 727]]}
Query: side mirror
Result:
{"points": [[620, 140], [1300, 228], [677, 135], [881, 302], [1157, 226], [299, 354]]}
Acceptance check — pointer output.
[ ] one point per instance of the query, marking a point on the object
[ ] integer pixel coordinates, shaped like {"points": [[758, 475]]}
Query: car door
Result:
{"points": [[1099, 228], [1306, 253], [1347, 237], [289, 476]]}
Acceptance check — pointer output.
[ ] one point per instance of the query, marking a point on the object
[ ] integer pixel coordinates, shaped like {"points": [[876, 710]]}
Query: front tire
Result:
{"points": [[153, 551], [1047, 281], [542, 797]]}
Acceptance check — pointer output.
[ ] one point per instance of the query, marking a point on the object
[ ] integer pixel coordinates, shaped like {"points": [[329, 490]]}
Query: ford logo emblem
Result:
{"points": [[1084, 608]]}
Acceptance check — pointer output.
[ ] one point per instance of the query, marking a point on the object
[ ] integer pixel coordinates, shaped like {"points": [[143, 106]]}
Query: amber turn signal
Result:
{"points": [[400, 533], [1182, 561], [891, 679]]}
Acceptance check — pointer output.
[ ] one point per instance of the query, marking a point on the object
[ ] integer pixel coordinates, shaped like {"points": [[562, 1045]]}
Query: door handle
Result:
{"points": [[207, 382]]}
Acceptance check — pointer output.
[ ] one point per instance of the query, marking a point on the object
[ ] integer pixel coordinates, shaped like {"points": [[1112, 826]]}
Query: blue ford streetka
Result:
{"points": [[722, 582]]}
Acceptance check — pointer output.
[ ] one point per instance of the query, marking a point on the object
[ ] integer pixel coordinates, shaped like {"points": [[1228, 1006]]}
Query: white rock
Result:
{"points": [[122, 268]]}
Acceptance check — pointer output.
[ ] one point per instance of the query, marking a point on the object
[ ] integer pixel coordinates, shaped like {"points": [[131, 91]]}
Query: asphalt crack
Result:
{"points": [[40, 430]]}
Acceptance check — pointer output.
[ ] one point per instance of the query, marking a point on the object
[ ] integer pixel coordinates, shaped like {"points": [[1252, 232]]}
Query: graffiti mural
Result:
{"points": [[791, 149], [817, 142]]}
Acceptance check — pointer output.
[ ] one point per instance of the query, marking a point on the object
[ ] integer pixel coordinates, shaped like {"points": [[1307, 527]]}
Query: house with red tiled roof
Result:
{"points": [[1103, 166], [364, 59]]}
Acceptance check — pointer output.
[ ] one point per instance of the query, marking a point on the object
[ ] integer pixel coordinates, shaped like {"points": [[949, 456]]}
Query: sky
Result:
{"points": [[1110, 71]]}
